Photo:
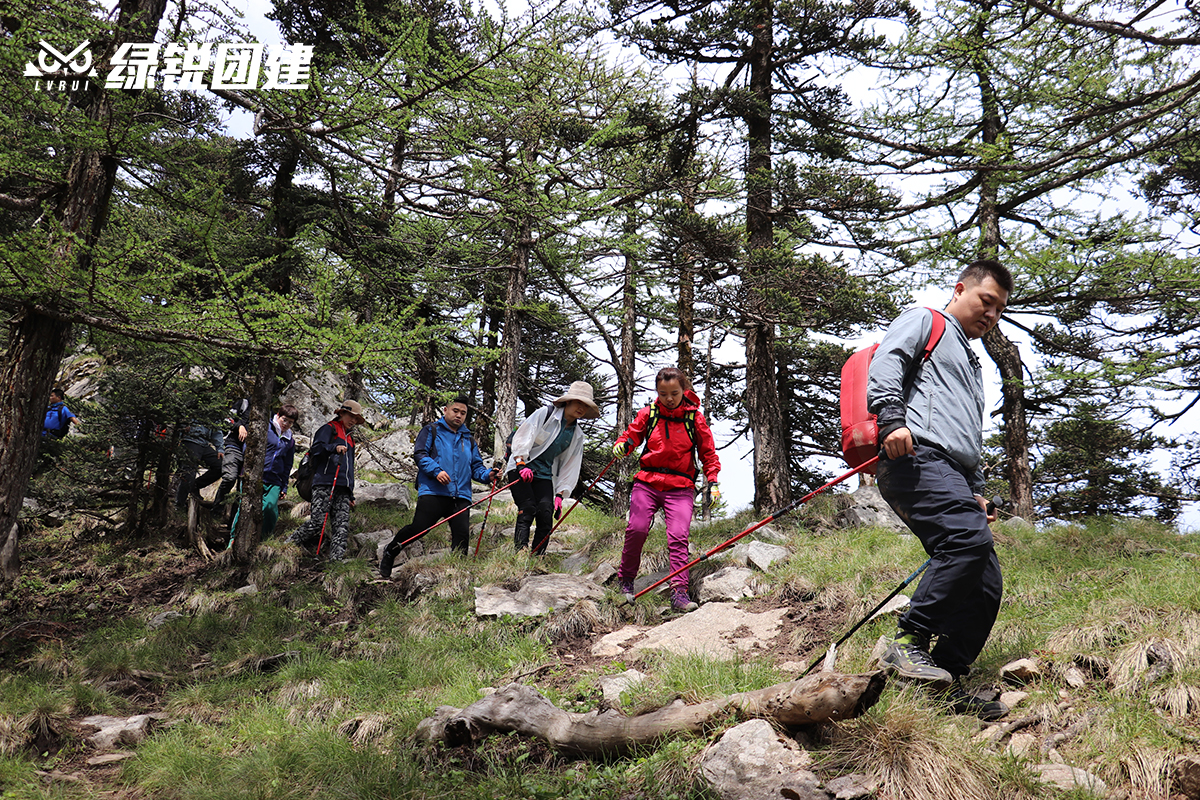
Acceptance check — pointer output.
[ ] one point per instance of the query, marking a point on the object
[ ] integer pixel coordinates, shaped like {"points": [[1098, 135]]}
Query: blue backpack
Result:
{"points": [[56, 421]]}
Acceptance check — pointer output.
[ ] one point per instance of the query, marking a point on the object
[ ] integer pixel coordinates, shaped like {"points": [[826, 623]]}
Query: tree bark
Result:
{"points": [[626, 371], [510, 343], [1001, 350], [250, 513], [772, 474], [819, 698]]}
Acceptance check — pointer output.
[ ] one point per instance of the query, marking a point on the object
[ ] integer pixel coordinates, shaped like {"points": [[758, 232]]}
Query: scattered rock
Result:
{"points": [[1013, 699], [370, 544], [612, 686], [751, 761], [762, 555], [611, 644], [392, 495], [1074, 677], [537, 595], [1022, 745], [603, 573], [1185, 777], [160, 619], [1020, 671], [1015, 525], [769, 534], [853, 787], [575, 563], [113, 731], [1070, 778], [896, 606], [248, 589], [108, 758], [58, 776], [869, 509], [728, 583], [716, 630]]}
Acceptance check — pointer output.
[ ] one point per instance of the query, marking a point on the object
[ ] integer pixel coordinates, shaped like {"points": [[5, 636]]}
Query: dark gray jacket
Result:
{"points": [[944, 405]]}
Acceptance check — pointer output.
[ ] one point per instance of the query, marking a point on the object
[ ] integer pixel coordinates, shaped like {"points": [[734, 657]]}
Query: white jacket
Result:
{"points": [[539, 432]]}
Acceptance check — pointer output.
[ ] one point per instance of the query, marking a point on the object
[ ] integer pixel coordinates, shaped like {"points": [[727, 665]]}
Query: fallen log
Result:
{"points": [[825, 697]]}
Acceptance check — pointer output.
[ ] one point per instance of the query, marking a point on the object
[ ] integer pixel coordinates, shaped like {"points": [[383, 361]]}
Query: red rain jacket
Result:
{"points": [[670, 446]]}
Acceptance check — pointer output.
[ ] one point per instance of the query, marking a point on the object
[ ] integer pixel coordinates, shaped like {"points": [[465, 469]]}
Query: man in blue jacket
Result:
{"points": [[447, 459], [930, 472]]}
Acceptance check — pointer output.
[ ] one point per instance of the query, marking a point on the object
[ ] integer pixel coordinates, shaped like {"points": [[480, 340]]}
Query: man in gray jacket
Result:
{"points": [[930, 472]]}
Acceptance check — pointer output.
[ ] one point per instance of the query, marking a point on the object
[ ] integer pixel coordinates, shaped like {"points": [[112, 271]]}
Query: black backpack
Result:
{"points": [[304, 477]]}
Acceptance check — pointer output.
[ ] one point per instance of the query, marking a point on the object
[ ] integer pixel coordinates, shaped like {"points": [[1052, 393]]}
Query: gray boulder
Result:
{"points": [[761, 555], [537, 595], [395, 495], [753, 762], [869, 509], [728, 583]]}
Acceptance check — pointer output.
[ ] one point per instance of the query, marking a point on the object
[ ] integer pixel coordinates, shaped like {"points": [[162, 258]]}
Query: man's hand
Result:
{"points": [[341, 448], [443, 478], [898, 443], [495, 473], [992, 516]]}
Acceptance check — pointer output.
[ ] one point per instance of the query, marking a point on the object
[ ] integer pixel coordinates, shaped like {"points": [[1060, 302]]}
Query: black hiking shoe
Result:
{"points": [[386, 561], [963, 702], [908, 657]]}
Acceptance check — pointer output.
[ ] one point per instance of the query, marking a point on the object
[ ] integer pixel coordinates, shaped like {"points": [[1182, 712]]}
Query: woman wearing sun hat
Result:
{"points": [[547, 453], [332, 457]]}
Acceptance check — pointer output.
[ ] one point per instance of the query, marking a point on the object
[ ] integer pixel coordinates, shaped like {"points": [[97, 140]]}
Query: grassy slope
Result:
{"points": [[365, 665]]}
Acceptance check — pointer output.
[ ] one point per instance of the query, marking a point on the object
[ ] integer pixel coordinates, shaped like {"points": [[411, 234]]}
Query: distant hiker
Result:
{"points": [[59, 418], [235, 449], [547, 454], [675, 433], [201, 445], [447, 460], [332, 456], [930, 472], [277, 467]]}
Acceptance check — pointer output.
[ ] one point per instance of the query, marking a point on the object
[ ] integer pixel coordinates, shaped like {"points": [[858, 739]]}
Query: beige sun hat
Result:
{"points": [[581, 391], [354, 409]]}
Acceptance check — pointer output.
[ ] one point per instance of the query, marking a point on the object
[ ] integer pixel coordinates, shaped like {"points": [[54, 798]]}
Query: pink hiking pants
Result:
{"points": [[644, 500]]}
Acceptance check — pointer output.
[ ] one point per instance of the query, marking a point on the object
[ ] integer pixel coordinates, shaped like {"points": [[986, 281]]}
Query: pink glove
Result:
{"points": [[526, 474], [557, 504]]}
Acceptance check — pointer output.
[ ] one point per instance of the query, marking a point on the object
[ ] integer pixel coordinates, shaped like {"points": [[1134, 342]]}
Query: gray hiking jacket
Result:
{"points": [[944, 405]]}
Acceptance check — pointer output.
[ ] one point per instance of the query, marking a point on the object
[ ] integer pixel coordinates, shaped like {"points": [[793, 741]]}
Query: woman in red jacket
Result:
{"points": [[675, 432]]}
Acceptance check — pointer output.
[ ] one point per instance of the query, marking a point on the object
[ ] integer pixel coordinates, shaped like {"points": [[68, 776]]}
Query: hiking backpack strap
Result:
{"points": [[689, 425], [426, 443], [935, 336]]}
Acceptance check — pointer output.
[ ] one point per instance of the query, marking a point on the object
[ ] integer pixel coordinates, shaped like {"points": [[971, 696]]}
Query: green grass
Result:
{"points": [[338, 716]]}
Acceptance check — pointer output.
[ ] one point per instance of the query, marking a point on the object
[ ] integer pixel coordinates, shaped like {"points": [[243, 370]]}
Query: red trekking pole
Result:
{"points": [[452, 516], [328, 506], [483, 524], [788, 508], [563, 518]]}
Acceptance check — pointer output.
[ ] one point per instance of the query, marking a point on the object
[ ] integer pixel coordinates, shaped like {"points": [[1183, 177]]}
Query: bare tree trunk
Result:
{"points": [[686, 303], [626, 371], [1001, 349], [37, 340], [817, 698], [510, 346], [250, 512], [36, 344], [772, 474]]}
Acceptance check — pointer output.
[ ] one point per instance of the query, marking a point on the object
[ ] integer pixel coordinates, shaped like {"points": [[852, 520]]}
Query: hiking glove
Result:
{"points": [[714, 490], [526, 474], [621, 449], [557, 506]]}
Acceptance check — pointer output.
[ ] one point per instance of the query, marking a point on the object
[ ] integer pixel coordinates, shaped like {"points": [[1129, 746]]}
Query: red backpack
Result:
{"points": [[860, 434]]}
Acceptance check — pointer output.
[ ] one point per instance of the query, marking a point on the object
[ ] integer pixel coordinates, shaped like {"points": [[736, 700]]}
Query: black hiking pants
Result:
{"points": [[959, 596], [431, 509], [535, 501]]}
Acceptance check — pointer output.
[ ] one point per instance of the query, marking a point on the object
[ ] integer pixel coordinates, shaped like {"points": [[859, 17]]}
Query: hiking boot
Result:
{"points": [[681, 602], [386, 560], [908, 656], [963, 702], [626, 588]]}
